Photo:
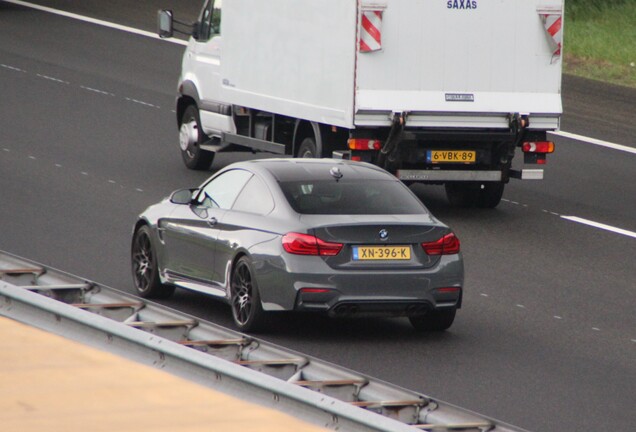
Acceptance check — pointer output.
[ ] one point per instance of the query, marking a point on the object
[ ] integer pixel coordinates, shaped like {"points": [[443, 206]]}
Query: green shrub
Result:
{"points": [[585, 9], [600, 40]]}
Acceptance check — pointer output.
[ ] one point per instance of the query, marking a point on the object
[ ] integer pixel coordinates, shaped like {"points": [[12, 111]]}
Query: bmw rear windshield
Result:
{"points": [[351, 197]]}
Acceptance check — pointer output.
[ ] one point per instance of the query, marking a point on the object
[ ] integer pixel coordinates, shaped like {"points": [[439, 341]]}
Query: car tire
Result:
{"points": [[145, 267], [307, 148], [245, 300], [436, 320], [490, 195], [191, 136], [462, 194]]}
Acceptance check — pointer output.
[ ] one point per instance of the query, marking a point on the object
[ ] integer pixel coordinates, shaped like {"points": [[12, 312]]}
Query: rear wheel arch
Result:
{"points": [[230, 272]]}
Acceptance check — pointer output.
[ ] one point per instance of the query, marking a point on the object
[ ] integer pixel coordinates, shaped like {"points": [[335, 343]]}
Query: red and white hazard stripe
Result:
{"points": [[553, 25], [371, 32]]}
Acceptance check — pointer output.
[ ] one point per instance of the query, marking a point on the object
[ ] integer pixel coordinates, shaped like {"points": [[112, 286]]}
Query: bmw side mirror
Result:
{"points": [[164, 23], [182, 196]]}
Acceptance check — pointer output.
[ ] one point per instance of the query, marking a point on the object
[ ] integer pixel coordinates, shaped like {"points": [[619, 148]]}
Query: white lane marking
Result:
{"points": [[595, 141], [521, 306], [50, 78], [142, 103], [600, 226], [96, 21], [94, 90], [84, 173], [484, 295], [596, 329], [90, 89], [558, 317], [13, 68]]}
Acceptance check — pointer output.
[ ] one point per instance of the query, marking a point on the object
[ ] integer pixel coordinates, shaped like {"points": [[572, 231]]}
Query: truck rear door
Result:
{"points": [[470, 62]]}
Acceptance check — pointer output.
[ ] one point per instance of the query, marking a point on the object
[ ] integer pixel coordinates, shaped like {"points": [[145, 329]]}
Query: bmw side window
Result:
{"points": [[221, 191], [209, 23], [254, 198]]}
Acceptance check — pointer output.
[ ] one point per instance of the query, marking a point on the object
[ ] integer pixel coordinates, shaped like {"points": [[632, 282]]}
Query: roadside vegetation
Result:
{"points": [[600, 40]]}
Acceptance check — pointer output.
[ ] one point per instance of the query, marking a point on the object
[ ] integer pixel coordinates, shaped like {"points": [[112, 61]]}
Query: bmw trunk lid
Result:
{"points": [[369, 242]]}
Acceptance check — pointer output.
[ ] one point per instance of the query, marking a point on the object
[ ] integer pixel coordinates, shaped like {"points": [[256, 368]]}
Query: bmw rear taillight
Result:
{"points": [[305, 244], [447, 245]]}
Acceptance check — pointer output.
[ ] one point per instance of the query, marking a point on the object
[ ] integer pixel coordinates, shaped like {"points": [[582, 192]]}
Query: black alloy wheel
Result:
{"points": [[144, 267], [247, 310]]}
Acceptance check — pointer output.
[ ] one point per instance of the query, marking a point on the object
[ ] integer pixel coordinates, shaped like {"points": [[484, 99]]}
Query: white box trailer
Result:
{"points": [[437, 91]]}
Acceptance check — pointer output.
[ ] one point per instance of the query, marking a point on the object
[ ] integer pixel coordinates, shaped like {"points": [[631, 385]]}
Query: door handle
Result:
{"points": [[212, 221]]}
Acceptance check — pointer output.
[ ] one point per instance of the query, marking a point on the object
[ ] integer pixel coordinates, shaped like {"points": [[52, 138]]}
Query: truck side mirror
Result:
{"points": [[164, 23]]}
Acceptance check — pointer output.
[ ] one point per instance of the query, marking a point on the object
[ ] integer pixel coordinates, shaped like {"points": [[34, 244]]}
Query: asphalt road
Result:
{"points": [[547, 336]]}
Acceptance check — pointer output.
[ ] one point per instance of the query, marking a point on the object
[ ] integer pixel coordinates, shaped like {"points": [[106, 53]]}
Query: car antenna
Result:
{"points": [[335, 173]]}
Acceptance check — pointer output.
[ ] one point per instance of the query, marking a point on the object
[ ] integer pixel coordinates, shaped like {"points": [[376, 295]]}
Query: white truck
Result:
{"points": [[435, 91]]}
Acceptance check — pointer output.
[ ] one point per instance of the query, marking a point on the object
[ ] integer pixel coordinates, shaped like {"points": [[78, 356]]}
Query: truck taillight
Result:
{"points": [[364, 144], [447, 245], [538, 147]]}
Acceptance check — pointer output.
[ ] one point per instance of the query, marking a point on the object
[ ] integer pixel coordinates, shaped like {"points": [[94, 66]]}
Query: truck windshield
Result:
{"points": [[353, 197]]}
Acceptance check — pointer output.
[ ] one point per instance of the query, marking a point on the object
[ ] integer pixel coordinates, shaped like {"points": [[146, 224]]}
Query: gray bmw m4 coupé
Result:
{"points": [[338, 237]]}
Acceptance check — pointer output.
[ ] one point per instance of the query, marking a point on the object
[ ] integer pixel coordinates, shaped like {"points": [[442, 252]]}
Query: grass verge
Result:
{"points": [[600, 40]]}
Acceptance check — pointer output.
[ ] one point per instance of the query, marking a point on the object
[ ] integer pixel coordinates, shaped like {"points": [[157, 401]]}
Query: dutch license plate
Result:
{"points": [[364, 253], [451, 156]]}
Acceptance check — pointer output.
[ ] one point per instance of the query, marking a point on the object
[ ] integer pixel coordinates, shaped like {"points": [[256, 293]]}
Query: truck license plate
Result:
{"points": [[451, 156], [364, 253]]}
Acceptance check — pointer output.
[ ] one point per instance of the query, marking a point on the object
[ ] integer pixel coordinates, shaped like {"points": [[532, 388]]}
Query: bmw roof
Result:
{"points": [[316, 169]]}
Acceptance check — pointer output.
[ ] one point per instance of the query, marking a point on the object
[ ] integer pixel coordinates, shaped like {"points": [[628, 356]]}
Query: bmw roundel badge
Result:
{"points": [[384, 234]]}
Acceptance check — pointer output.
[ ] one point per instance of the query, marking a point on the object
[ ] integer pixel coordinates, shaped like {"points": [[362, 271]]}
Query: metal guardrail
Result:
{"points": [[240, 365]]}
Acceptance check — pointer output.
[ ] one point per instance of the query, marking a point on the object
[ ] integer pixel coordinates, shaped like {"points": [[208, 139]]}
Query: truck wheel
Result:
{"points": [[490, 195], [191, 136], [436, 320], [462, 194], [308, 149], [145, 267]]}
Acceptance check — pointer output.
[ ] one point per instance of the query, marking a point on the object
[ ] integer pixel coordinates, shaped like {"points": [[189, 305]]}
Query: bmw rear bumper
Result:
{"points": [[309, 284]]}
